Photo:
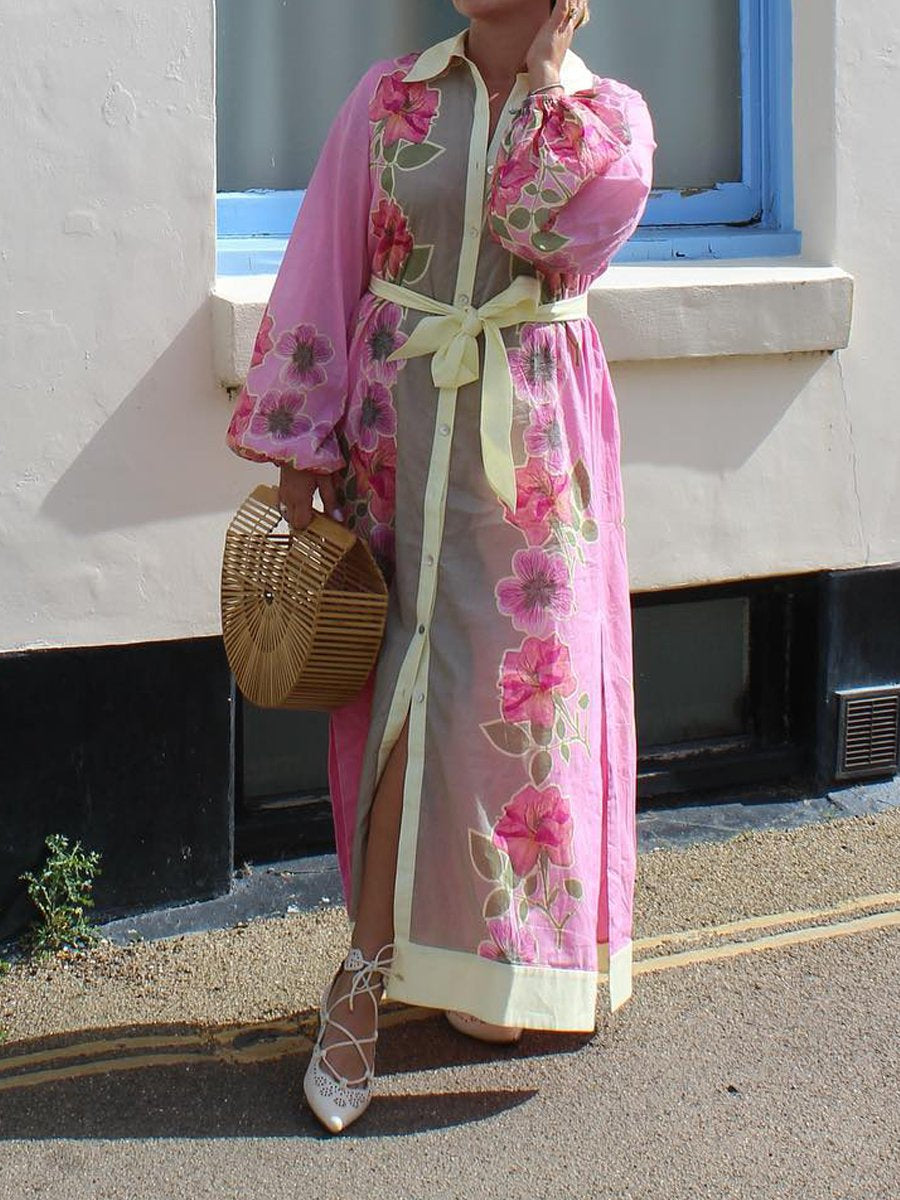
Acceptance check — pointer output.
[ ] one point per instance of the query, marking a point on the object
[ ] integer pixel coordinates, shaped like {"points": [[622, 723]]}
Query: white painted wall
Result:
{"points": [[113, 478], [115, 486], [760, 466]]}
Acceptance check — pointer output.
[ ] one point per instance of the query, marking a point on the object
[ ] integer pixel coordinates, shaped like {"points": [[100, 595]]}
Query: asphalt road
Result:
{"points": [[758, 1058]]}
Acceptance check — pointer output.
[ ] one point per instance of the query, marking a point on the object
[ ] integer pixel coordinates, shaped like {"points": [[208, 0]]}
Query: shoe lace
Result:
{"points": [[363, 982]]}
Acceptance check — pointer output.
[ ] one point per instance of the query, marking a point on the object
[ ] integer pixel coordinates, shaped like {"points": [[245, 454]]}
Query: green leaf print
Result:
{"points": [[497, 903], [520, 218], [531, 885], [417, 154], [417, 264], [581, 481], [584, 701], [548, 241], [541, 766], [509, 738], [589, 531], [387, 180], [549, 196], [390, 152], [499, 226], [575, 888], [523, 911], [487, 860]]}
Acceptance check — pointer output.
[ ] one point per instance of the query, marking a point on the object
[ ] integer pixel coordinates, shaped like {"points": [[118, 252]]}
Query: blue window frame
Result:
{"points": [[748, 218]]}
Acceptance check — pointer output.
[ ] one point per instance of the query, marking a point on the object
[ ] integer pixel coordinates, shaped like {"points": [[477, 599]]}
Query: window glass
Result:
{"points": [[284, 752], [685, 59], [691, 667], [284, 66]]}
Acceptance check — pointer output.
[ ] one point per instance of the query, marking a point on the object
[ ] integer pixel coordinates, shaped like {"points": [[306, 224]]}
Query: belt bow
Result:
{"points": [[450, 334]]}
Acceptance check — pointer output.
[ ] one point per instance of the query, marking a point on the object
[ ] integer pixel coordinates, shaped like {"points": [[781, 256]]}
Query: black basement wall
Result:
{"points": [[127, 748]]}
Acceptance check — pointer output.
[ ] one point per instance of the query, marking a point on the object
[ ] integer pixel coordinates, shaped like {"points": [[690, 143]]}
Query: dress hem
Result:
{"points": [[534, 997]]}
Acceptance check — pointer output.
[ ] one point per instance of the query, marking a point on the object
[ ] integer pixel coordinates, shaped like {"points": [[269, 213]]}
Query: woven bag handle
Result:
{"points": [[333, 531]]}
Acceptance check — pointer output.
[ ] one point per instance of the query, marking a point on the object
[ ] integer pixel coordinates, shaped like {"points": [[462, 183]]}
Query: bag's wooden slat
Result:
{"points": [[312, 644]]}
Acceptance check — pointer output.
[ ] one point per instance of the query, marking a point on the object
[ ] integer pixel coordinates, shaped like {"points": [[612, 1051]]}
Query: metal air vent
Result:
{"points": [[868, 732]]}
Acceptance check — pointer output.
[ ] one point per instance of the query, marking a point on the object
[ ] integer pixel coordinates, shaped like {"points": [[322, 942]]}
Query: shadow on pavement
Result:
{"points": [[240, 1079]]}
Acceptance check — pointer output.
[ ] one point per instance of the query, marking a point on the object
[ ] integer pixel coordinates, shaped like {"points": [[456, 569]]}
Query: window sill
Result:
{"points": [[644, 312]]}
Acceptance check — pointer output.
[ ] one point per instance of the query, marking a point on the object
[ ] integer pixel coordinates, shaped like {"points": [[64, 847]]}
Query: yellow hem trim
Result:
{"points": [[502, 993]]}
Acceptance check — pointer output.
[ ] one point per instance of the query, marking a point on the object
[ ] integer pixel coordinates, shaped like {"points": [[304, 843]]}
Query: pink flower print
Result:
{"points": [[383, 481], [532, 822], [509, 942], [564, 134], [542, 499], [280, 416], [371, 414], [382, 545], [376, 477], [534, 365], [304, 349], [510, 178], [263, 343], [381, 340], [240, 417], [407, 109], [393, 240], [540, 589], [531, 676], [544, 436]]}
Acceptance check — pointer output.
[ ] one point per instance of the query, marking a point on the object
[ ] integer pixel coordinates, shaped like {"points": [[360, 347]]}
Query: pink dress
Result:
{"points": [[426, 335]]}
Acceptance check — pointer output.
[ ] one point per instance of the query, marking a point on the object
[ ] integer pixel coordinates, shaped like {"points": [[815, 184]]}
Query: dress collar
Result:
{"points": [[574, 76]]}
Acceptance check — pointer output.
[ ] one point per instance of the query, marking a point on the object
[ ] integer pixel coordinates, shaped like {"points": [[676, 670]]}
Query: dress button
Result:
{"points": [[421, 629], [473, 231], [420, 698], [445, 429], [462, 300], [429, 560]]}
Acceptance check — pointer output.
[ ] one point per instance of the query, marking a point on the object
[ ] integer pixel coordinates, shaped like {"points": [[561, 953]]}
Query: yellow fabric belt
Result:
{"points": [[450, 334]]}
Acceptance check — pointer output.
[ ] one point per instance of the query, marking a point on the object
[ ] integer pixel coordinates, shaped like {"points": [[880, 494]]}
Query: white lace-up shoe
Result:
{"points": [[336, 1100]]}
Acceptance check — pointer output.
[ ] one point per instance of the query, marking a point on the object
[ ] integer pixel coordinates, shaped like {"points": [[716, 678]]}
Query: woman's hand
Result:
{"points": [[296, 490], [545, 57]]}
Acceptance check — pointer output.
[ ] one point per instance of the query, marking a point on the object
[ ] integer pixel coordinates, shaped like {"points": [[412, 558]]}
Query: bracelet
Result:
{"points": [[548, 87]]}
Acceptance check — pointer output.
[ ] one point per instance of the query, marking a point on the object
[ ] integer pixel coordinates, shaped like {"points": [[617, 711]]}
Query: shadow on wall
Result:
{"points": [[161, 454], [708, 414]]}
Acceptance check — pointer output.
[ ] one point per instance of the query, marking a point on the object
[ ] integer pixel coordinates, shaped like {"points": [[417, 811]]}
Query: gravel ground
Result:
{"points": [[273, 967], [770, 1075]]}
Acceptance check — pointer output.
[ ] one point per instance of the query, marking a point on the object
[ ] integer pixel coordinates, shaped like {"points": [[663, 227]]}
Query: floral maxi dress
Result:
{"points": [[427, 336]]}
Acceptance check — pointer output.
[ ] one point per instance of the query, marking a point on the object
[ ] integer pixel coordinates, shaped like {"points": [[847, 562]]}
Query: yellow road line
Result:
{"points": [[775, 941], [882, 900], [272, 1040]]}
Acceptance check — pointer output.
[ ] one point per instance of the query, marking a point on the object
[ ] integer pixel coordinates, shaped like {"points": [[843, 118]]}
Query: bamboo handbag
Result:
{"points": [[303, 612]]}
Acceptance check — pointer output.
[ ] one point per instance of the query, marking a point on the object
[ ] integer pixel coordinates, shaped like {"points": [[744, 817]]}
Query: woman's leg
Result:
{"points": [[374, 925]]}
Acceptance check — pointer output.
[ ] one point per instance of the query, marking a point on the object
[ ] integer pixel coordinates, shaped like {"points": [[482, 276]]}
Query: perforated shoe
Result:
{"points": [[336, 1099]]}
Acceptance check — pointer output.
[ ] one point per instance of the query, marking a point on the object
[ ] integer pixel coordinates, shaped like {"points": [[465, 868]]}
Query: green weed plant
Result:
{"points": [[61, 892]]}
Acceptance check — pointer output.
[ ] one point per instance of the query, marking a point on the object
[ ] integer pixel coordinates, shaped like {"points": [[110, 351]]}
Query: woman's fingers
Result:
{"points": [[295, 493], [329, 494], [562, 13], [295, 496]]}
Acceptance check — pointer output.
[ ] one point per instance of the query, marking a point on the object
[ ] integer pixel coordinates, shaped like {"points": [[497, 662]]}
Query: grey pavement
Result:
{"points": [[743, 1067]]}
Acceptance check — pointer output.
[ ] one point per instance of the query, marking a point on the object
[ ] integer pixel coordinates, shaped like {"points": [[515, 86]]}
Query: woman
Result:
{"points": [[427, 364]]}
